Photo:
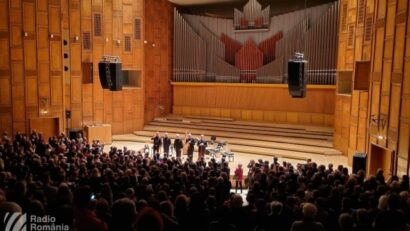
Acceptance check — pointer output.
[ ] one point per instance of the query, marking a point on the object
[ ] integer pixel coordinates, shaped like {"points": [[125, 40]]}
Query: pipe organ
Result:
{"points": [[252, 16], [271, 73], [203, 55], [292, 42], [321, 48], [225, 72], [189, 52], [214, 49]]}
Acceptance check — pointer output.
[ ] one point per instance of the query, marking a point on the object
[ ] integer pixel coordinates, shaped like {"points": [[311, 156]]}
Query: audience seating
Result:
{"points": [[133, 192]]}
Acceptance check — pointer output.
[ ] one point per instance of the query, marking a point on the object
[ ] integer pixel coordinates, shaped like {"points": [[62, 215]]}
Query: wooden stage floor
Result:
{"points": [[247, 140]]}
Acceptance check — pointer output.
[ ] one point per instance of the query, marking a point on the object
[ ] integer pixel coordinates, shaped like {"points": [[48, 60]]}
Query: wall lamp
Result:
{"points": [[152, 44]]}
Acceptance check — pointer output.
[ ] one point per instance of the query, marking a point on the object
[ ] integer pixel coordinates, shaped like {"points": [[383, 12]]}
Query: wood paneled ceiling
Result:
{"points": [[224, 8]]}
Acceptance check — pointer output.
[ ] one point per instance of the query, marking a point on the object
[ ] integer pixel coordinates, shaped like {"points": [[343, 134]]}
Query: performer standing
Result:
{"points": [[201, 147], [166, 143], [238, 177], [157, 143], [191, 145], [178, 145]]}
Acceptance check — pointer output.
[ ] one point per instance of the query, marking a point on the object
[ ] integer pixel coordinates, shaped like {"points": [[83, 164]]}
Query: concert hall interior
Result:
{"points": [[205, 115]]}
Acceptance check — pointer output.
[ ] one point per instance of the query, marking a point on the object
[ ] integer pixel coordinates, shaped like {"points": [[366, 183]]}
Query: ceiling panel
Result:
{"points": [[200, 2]]}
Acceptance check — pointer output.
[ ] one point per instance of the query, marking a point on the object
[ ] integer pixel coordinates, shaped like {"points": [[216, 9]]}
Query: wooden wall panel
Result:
{"points": [[30, 51], [15, 35], [42, 40], [29, 12], [55, 56], [43, 72], [32, 76], [388, 90], [54, 19], [17, 72], [4, 55], [158, 59], [5, 121], [4, 15], [56, 91], [19, 114], [254, 101], [31, 91], [5, 93]]}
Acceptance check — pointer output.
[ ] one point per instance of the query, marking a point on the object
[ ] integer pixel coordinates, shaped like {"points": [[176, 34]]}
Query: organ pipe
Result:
{"points": [[201, 55], [189, 52]]}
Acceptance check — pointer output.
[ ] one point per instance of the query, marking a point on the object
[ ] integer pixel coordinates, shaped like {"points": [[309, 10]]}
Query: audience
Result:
{"points": [[89, 189], [308, 223]]}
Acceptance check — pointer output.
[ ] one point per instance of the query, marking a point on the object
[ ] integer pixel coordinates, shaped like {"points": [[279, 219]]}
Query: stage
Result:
{"points": [[247, 140]]}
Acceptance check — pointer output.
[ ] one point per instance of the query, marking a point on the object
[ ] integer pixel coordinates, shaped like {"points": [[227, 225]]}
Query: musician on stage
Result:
{"points": [[191, 146], [157, 143], [166, 143], [178, 145], [201, 147]]}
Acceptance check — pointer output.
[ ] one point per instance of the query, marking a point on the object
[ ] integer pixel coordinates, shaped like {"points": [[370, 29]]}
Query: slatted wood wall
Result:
{"points": [[31, 75], [41, 61], [374, 43], [354, 51], [390, 82], [158, 58], [107, 23], [255, 102]]}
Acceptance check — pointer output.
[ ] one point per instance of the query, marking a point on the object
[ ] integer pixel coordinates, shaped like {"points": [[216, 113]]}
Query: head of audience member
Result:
{"points": [[346, 222], [309, 211], [124, 214], [149, 219]]}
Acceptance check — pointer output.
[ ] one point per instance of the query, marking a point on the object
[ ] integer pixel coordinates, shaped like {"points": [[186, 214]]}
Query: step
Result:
{"points": [[210, 118], [327, 129], [264, 144], [238, 128], [233, 148], [236, 134], [279, 139]]}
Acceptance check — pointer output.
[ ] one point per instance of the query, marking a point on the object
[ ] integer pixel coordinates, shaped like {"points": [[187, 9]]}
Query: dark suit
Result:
{"points": [[178, 145], [157, 143], [201, 148], [166, 143], [191, 147]]}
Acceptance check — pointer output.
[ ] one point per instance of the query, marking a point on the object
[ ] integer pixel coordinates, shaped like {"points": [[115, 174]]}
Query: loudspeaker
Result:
{"points": [[116, 76], [104, 72], [359, 162], [110, 75], [296, 78]]}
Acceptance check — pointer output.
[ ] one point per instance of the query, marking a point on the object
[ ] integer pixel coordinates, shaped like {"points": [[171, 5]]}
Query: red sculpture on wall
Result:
{"points": [[268, 47], [248, 59], [231, 47]]}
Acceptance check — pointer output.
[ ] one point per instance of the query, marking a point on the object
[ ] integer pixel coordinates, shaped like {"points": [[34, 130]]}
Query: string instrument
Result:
{"points": [[186, 144]]}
